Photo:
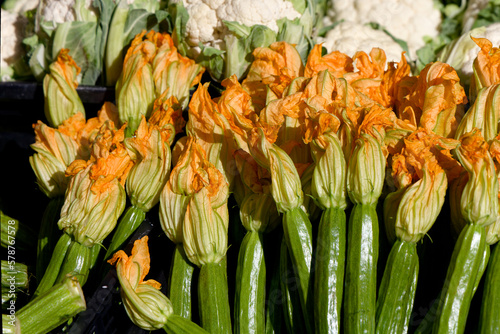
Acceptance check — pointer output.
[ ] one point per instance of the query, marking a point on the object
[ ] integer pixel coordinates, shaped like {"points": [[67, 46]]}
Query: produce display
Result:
{"points": [[282, 166]]}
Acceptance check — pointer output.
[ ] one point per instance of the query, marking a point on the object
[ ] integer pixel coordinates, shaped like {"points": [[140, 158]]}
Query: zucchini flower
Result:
{"points": [[483, 114], [435, 101], [336, 62], [172, 72], [204, 229], [422, 183], [210, 129], [366, 169], [59, 88], [145, 304], [55, 151], [274, 67], [190, 175], [329, 178], [286, 187], [479, 199], [152, 165], [486, 66], [84, 132], [135, 92], [96, 197], [372, 80]]}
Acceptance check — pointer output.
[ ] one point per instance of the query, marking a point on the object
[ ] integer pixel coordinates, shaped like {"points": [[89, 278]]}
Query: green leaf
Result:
{"points": [[489, 14], [180, 17], [238, 29], [80, 38], [213, 60]]}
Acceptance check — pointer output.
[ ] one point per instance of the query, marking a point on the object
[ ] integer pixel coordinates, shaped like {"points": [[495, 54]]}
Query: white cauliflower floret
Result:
{"points": [[60, 11], [349, 37], [405, 19], [206, 18], [13, 28]]}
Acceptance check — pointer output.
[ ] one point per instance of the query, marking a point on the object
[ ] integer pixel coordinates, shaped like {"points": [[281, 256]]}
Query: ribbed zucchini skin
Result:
{"points": [[56, 261], [397, 289], [329, 274], [274, 302], [250, 294], [297, 231], [128, 223], [213, 298], [77, 263], [489, 321], [180, 325], [294, 318], [461, 280], [361, 270], [48, 234], [181, 275]]}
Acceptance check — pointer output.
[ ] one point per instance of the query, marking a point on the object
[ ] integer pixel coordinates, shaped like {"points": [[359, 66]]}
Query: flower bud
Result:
{"points": [[174, 74], [59, 88], [152, 166], [286, 187], [493, 232], [146, 306], [483, 114], [366, 171], [91, 207], [204, 231], [420, 206], [55, 152], [173, 208], [258, 213], [479, 201], [329, 178], [135, 92]]}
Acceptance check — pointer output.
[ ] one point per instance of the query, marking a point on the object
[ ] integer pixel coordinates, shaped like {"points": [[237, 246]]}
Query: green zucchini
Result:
{"points": [[76, 263], [489, 320], [274, 302], [48, 234], [461, 280], [294, 318], [56, 261], [213, 298], [180, 325], [128, 223], [298, 236], [329, 274], [181, 275], [397, 289], [361, 270], [250, 294]]}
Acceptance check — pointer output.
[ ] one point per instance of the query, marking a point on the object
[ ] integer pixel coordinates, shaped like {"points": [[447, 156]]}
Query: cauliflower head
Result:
{"points": [[405, 19], [60, 11], [13, 28], [206, 18], [349, 37]]}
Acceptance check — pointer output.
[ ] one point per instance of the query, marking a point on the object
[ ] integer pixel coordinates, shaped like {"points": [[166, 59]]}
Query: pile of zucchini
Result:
{"points": [[302, 199]]}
